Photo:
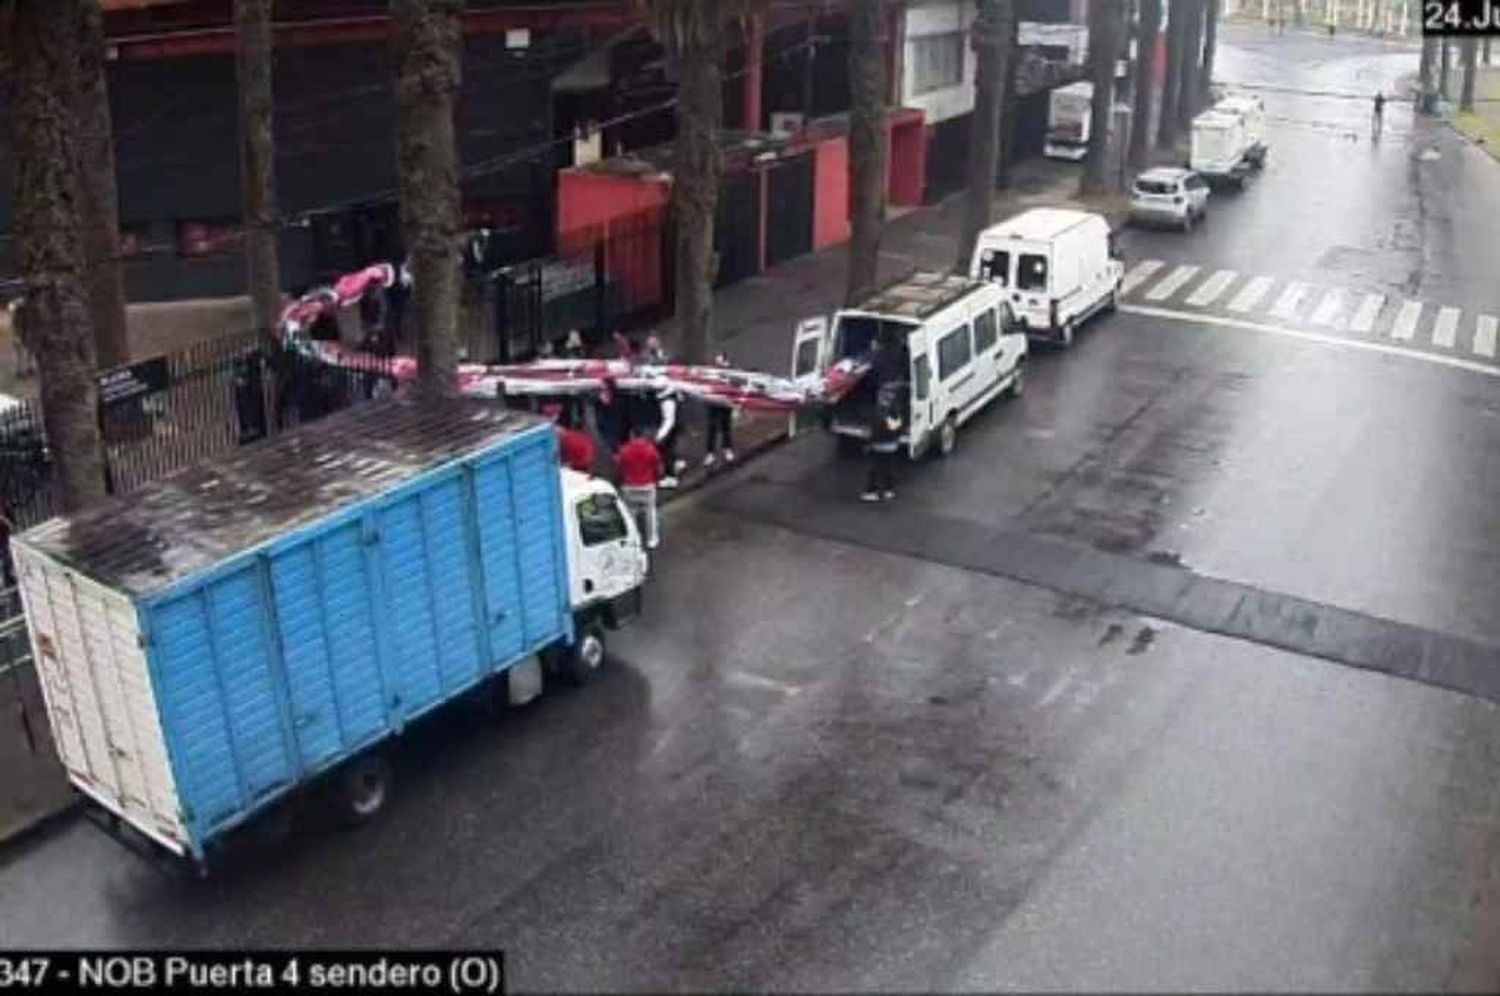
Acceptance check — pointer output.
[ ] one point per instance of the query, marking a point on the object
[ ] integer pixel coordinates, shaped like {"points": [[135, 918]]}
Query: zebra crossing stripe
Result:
{"points": [[1140, 273], [1212, 288], [1250, 294], [1484, 335], [1406, 320], [1173, 283], [1329, 308], [1445, 330], [1286, 304], [1369, 308]]}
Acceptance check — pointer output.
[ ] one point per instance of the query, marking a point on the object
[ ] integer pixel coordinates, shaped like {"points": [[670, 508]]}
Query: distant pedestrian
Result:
{"points": [[1379, 116], [628, 348], [609, 415], [885, 444], [575, 448], [572, 348], [720, 427], [668, 430], [640, 467]]}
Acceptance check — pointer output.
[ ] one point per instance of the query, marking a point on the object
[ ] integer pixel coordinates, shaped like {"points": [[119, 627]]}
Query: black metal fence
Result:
{"points": [[164, 413]]}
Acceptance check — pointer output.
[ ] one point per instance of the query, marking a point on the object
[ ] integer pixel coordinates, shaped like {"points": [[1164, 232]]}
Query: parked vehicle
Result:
{"points": [[1168, 195], [1252, 114], [948, 346], [1058, 266], [1069, 112], [1220, 151], [252, 627]]}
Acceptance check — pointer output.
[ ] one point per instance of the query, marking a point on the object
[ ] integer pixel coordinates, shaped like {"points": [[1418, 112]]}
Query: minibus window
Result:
{"points": [[995, 265], [1031, 272]]}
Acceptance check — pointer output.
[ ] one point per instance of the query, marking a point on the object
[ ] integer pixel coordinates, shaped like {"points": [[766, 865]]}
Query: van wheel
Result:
{"points": [[1187, 221], [1065, 336], [947, 436], [1018, 381], [1114, 299], [361, 790], [584, 659]]}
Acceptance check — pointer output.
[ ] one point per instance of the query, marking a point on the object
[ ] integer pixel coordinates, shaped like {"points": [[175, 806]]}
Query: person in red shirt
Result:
{"points": [[575, 448], [640, 467]]}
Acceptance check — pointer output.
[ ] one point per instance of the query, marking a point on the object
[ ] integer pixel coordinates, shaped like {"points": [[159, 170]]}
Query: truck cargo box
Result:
{"points": [[225, 634]]}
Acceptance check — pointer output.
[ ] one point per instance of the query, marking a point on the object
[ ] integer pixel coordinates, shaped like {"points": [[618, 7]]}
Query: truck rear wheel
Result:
{"points": [[361, 789], [586, 656]]}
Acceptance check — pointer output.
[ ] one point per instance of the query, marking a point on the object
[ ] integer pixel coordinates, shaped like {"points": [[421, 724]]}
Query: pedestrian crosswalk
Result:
{"points": [[1313, 305]]}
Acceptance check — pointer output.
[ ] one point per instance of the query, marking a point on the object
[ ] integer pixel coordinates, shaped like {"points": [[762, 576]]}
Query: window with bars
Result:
{"points": [[937, 61]]}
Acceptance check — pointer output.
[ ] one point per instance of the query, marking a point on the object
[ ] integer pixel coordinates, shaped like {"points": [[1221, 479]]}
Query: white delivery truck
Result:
{"points": [[1058, 267], [947, 345], [1068, 115], [1252, 114], [1220, 152]]}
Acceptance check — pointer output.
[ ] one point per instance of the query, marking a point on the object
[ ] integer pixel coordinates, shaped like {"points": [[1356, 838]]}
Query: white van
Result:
{"points": [[1057, 266], [1252, 115], [1069, 112], [1220, 149], [948, 344]]}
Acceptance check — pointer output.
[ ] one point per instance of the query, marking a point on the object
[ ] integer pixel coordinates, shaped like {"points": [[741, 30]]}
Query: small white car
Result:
{"points": [[1169, 195]]}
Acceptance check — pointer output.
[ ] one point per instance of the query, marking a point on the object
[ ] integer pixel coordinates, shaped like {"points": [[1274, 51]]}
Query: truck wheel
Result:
{"points": [[1065, 335], [1187, 221], [361, 789], [947, 436], [584, 659], [1113, 304]]}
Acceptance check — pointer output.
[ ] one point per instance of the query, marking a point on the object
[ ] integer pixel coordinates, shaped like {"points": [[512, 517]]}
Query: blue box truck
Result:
{"points": [[256, 625]]}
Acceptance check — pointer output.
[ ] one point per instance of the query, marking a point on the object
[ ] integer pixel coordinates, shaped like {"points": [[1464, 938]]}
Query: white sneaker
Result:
{"points": [[679, 467], [708, 460], [870, 496], [667, 482], [729, 456]]}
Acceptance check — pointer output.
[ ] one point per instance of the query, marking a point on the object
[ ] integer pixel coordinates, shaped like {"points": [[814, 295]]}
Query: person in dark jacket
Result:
{"points": [[885, 445]]}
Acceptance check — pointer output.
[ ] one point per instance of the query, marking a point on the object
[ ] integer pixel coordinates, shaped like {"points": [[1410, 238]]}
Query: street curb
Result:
{"points": [[16, 836], [745, 456]]}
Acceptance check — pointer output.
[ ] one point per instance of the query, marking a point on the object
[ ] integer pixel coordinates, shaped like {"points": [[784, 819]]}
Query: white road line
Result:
{"points": [[1212, 288], [1445, 329], [1286, 304], [1140, 273], [1250, 294], [1173, 283], [1484, 335], [1406, 320], [1369, 308], [1329, 309], [1367, 345]]}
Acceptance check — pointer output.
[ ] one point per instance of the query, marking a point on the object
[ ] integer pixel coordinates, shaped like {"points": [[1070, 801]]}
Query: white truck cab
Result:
{"points": [[947, 343], [1057, 267], [1069, 114], [607, 562]]}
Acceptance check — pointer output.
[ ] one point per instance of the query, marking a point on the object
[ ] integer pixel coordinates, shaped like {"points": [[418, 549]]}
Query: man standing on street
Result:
{"points": [[640, 466], [720, 426], [885, 443], [667, 431]]}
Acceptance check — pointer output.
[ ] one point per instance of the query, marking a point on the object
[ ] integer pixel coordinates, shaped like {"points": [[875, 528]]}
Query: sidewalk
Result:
{"points": [[1483, 124]]}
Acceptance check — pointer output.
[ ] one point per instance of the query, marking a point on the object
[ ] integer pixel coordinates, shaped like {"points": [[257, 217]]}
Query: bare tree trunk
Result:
{"points": [[867, 145], [252, 20], [1424, 72], [991, 34], [428, 43], [1187, 80], [1487, 41], [1444, 64], [1104, 50], [1166, 131], [1145, 64], [1471, 59], [41, 71], [1008, 99], [695, 193], [100, 206], [1210, 49]]}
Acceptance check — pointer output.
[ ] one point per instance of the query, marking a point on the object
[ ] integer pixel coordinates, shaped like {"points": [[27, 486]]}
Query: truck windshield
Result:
{"points": [[1031, 272]]}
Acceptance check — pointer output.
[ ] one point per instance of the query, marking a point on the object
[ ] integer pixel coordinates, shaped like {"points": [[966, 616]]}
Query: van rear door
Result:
{"points": [[810, 351]]}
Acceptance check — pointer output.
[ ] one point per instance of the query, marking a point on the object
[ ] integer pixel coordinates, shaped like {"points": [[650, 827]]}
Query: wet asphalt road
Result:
{"points": [[822, 764]]}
